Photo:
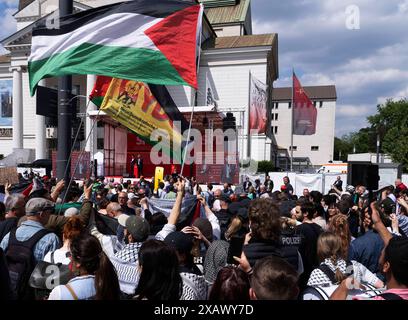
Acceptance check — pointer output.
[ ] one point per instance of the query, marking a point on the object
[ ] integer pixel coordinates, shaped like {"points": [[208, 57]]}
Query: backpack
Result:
{"points": [[21, 263], [47, 275]]}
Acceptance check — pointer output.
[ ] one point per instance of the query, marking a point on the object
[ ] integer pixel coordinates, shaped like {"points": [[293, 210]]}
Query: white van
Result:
{"points": [[334, 167]]}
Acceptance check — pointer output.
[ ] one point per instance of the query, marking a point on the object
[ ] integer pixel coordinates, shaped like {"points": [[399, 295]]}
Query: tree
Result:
{"points": [[362, 141], [391, 123], [265, 166], [342, 147]]}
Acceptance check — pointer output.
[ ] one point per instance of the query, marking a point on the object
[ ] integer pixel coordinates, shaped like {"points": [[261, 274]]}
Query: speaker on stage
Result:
{"points": [[363, 173]]}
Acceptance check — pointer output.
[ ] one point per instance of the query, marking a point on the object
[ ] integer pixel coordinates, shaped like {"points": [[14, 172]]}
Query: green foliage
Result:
{"points": [[265, 166], [341, 149], [390, 123]]}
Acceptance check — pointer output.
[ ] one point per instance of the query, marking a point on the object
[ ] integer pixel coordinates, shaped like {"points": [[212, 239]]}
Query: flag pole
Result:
{"points": [[249, 109], [291, 132], [195, 95]]}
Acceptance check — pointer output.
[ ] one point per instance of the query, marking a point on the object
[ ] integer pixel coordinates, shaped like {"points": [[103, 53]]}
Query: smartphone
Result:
{"points": [[235, 249]]}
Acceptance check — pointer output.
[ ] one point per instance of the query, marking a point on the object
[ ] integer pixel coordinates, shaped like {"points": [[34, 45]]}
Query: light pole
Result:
{"points": [[64, 113]]}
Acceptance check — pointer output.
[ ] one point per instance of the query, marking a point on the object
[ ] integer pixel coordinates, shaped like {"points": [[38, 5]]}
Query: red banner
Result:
{"points": [[257, 106], [304, 112], [80, 164]]}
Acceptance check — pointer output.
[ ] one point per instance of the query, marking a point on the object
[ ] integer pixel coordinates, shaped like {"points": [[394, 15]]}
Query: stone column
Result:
{"points": [[40, 139], [17, 107], [92, 141]]}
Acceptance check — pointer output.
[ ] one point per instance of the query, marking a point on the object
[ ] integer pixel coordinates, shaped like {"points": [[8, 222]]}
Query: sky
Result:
{"points": [[325, 44], [7, 22], [368, 64]]}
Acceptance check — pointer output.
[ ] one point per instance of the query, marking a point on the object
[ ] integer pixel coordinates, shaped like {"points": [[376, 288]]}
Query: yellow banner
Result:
{"points": [[158, 176], [132, 104]]}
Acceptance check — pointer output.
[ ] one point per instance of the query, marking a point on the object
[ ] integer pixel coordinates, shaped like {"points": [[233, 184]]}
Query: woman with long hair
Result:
{"points": [[96, 276], [160, 278], [239, 225], [334, 268], [339, 225]]}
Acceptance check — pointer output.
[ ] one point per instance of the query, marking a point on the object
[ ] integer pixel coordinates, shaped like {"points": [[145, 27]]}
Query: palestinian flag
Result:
{"points": [[153, 41]]}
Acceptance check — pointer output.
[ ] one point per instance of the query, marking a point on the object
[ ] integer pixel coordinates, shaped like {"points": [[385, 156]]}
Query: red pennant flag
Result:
{"points": [[304, 111]]}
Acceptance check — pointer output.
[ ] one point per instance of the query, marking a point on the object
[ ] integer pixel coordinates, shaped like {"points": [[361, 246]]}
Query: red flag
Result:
{"points": [[257, 106], [304, 112], [99, 90]]}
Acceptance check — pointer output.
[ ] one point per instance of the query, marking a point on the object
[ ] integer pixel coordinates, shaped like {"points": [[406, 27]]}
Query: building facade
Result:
{"points": [[229, 53], [313, 150]]}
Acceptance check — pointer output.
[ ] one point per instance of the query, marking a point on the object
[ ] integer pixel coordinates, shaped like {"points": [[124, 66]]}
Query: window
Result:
{"points": [[290, 105], [315, 148], [315, 103], [294, 148], [276, 105], [100, 143], [272, 116], [320, 104], [276, 116]]}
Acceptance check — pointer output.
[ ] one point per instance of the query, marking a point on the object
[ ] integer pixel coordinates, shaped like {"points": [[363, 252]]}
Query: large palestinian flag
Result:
{"points": [[154, 41]]}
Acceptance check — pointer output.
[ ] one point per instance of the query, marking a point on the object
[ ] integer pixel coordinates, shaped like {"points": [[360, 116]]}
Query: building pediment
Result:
{"points": [[21, 40]]}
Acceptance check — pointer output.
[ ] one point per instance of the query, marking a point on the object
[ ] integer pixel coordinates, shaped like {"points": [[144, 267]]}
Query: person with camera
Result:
{"points": [[393, 263]]}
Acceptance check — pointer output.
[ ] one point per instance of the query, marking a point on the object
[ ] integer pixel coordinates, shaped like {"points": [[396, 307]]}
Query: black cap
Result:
{"points": [[180, 241], [225, 198], [388, 206]]}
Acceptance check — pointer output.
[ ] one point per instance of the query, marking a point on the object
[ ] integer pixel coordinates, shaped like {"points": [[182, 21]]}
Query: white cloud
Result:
{"points": [[11, 3], [403, 7], [396, 96], [351, 111], [8, 24], [347, 126]]}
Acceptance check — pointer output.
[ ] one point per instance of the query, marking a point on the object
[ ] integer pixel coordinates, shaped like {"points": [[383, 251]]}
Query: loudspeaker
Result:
{"points": [[363, 173]]}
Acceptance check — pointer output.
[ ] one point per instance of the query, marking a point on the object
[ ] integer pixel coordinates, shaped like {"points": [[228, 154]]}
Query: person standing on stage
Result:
{"points": [[132, 166], [139, 164]]}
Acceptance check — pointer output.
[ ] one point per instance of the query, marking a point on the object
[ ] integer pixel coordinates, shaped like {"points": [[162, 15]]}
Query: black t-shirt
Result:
{"points": [[308, 248], [6, 226], [289, 188]]}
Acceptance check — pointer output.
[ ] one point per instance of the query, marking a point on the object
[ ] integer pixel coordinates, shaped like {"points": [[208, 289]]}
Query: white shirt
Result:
{"points": [[83, 286]]}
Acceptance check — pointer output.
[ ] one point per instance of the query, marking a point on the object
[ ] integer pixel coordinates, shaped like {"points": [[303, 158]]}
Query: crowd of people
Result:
{"points": [[103, 240]]}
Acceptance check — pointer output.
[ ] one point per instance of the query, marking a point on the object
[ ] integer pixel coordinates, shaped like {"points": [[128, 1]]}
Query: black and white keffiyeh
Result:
{"points": [[360, 273], [130, 252]]}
